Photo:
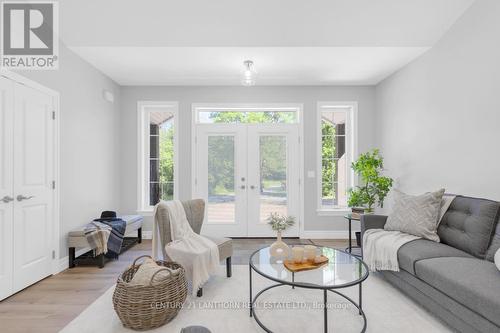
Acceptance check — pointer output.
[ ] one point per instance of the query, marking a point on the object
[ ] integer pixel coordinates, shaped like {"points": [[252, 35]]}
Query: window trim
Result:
{"points": [[351, 151], [143, 152], [245, 107]]}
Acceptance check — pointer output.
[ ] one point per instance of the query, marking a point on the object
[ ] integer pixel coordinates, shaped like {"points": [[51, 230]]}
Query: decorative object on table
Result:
{"points": [[280, 223], [305, 265], [356, 212], [310, 252], [133, 302], [374, 187], [297, 254]]}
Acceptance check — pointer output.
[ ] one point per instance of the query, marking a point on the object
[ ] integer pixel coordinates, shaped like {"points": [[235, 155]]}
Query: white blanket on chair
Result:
{"points": [[380, 248], [198, 255]]}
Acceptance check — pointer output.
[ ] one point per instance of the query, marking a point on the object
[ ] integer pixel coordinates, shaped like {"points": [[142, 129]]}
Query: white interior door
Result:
{"points": [[244, 172], [6, 185], [221, 178], [273, 177], [33, 192]]}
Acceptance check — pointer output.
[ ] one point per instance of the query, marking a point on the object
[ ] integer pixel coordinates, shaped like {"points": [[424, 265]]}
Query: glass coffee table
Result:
{"points": [[342, 270]]}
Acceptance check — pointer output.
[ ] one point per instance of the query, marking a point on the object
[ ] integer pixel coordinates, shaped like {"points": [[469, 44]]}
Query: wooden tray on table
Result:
{"points": [[304, 266]]}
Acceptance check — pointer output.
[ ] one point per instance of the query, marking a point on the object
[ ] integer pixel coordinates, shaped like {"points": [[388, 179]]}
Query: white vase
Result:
{"points": [[279, 249]]}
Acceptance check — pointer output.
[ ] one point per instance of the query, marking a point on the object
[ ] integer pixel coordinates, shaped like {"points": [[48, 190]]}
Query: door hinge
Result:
{"points": [[196, 181], [195, 139], [299, 139], [53, 254], [53, 184], [53, 115]]}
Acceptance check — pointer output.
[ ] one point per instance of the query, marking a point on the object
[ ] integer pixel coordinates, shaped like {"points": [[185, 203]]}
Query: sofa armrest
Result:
{"points": [[371, 221]]}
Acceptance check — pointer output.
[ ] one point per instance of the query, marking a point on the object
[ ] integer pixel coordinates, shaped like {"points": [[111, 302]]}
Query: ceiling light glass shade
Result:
{"points": [[249, 73]]}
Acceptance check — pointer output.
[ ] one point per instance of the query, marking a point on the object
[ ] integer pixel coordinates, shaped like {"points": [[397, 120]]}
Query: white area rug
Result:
{"points": [[223, 308]]}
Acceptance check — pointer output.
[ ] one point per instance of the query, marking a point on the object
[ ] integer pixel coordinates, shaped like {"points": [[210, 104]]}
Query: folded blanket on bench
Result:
{"points": [[106, 236]]}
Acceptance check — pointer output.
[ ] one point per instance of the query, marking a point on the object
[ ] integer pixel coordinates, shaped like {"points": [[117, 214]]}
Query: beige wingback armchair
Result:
{"points": [[195, 212]]}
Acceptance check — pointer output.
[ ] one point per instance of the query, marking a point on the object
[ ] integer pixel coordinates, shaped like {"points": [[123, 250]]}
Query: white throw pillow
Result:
{"points": [[497, 259], [146, 271], [416, 214]]}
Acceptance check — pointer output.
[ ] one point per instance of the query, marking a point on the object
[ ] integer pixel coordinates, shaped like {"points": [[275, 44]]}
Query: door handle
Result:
{"points": [[242, 187], [7, 199], [252, 187], [22, 197]]}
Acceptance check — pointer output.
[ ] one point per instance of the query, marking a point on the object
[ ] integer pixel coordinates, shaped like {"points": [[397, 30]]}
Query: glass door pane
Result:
{"points": [[221, 184], [273, 176]]}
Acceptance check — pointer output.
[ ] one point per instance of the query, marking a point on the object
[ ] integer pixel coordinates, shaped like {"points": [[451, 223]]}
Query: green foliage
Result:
{"points": [[166, 166], [374, 187], [280, 222], [328, 151], [221, 158]]}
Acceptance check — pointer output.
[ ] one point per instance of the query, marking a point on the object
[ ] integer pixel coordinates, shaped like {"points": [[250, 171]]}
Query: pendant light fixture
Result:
{"points": [[249, 73]]}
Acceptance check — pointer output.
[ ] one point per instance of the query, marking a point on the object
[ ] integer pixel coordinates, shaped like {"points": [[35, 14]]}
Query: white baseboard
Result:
{"points": [[64, 262], [311, 234], [327, 234]]}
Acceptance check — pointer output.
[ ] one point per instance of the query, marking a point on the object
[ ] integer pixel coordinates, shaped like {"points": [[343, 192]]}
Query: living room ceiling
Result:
{"points": [[292, 42]]}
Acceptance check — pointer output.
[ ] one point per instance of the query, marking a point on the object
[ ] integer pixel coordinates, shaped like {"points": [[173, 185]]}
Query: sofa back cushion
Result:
{"points": [[469, 224]]}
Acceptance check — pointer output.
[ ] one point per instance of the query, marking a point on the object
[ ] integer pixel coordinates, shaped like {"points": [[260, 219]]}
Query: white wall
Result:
{"points": [[90, 148], [188, 95], [439, 117]]}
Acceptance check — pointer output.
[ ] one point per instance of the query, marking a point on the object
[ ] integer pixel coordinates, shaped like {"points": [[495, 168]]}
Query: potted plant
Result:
{"points": [[373, 186], [280, 223]]}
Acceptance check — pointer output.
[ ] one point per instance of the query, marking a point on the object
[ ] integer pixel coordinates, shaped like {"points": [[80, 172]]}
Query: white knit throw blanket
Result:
{"points": [[198, 255], [380, 248]]}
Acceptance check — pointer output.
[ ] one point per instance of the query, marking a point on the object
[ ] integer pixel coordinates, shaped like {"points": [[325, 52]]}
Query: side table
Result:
{"points": [[354, 250]]}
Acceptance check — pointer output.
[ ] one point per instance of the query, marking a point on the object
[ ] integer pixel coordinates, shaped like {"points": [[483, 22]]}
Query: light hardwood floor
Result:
{"points": [[52, 303]]}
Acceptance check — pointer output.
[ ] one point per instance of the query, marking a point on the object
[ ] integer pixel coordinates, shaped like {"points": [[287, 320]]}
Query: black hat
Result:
{"points": [[108, 215]]}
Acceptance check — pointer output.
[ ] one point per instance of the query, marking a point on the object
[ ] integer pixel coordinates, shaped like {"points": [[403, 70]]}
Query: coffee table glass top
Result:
{"points": [[342, 269]]}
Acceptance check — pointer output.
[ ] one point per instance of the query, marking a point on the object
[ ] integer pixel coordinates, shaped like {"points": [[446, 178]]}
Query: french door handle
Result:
{"points": [[242, 187], [7, 199], [252, 187], [22, 197]]}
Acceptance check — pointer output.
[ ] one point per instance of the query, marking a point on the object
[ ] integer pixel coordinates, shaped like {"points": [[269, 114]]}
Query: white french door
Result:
{"points": [[27, 151], [244, 172]]}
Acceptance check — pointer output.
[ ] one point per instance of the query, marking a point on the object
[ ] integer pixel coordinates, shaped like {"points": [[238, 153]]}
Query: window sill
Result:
{"points": [[333, 211]]}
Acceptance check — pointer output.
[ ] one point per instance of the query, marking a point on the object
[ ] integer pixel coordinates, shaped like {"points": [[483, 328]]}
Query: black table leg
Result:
{"points": [[293, 279], [251, 302], [325, 310], [360, 298], [139, 235], [350, 241], [71, 257]]}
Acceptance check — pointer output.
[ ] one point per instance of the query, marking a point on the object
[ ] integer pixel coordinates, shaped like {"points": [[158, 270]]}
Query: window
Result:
{"points": [[336, 142], [246, 114], [157, 153]]}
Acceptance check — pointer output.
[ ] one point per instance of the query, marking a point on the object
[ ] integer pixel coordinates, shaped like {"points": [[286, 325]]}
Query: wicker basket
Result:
{"points": [[147, 307]]}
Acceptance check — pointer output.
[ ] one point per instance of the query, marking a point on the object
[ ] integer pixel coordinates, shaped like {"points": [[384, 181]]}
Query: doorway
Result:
{"points": [[247, 166]]}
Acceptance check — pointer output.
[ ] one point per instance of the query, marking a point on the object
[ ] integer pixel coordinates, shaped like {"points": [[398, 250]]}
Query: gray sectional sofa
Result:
{"points": [[456, 279]]}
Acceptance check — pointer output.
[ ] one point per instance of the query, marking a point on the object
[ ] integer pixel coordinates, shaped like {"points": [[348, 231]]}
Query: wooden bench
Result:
{"points": [[77, 240]]}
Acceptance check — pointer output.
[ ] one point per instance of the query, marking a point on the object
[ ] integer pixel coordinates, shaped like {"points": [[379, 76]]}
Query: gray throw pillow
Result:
{"points": [[416, 214]]}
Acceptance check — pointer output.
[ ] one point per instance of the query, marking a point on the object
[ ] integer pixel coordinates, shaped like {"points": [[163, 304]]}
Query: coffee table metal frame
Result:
{"points": [[294, 284]]}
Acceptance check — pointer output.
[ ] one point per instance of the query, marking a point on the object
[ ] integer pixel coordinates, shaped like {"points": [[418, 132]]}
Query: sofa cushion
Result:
{"points": [[472, 282], [225, 246], [468, 224], [420, 249]]}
